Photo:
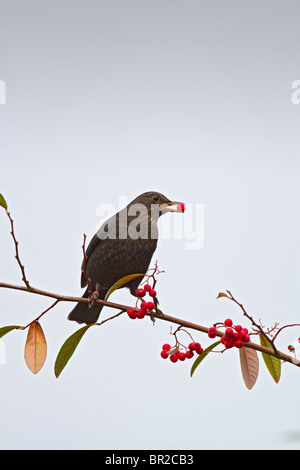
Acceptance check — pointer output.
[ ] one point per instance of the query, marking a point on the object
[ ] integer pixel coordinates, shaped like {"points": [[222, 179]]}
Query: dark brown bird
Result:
{"points": [[123, 245]]}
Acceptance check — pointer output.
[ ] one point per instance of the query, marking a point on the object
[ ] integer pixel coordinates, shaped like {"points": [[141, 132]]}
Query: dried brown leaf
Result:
{"points": [[35, 348], [222, 294], [249, 366]]}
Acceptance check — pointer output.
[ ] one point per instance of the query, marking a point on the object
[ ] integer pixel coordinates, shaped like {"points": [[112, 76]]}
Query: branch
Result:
{"points": [[160, 316], [59, 297]]}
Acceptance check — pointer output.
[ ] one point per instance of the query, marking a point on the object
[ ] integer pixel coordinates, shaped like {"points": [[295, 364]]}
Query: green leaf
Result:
{"points": [[202, 356], [3, 202], [6, 329], [273, 363], [249, 366], [67, 350], [121, 283]]}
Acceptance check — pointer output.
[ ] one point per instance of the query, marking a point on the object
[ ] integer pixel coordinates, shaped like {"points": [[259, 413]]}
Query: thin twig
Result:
{"points": [[259, 328], [17, 256], [282, 328], [111, 318], [41, 314], [88, 280]]}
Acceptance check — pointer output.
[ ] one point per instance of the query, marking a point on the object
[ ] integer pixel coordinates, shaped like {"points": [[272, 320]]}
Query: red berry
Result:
{"points": [[247, 339], [189, 354], [152, 293], [150, 305], [147, 287], [132, 316], [181, 355], [192, 346], [166, 346], [140, 292], [238, 328], [229, 344], [212, 332], [140, 314], [164, 354], [235, 336], [199, 350], [238, 343], [173, 358], [229, 331], [223, 339], [228, 322], [245, 330], [131, 313], [144, 305], [241, 335]]}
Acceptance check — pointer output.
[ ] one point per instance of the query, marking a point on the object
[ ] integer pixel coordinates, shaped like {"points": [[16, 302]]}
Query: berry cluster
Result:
{"points": [[144, 306], [233, 336], [175, 354], [141, 292]]}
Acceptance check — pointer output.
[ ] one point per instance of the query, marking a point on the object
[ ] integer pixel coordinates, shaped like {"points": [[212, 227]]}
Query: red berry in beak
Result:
{"points": [[180, 207]]}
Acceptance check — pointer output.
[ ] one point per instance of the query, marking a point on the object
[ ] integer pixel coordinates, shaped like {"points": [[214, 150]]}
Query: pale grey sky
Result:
{"points": [[114, 98]]}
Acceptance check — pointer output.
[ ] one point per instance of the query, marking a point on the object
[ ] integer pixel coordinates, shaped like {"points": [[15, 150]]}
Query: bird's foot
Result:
{"points": [[158, 313], [92, 298]]}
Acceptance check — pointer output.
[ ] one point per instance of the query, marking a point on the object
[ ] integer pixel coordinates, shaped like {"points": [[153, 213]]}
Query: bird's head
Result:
{"points": [[152, 199]]}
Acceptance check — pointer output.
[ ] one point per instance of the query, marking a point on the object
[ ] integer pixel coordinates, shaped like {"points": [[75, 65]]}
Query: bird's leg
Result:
{"points": [[156, 309], [159, 312], [94, 296]]}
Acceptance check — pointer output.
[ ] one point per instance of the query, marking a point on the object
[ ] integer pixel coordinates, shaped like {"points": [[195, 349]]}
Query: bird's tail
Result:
{"points": [[83, 314]]}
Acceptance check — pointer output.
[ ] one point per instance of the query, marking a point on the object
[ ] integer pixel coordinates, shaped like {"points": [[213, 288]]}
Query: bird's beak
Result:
{"points": [[173, 206]]}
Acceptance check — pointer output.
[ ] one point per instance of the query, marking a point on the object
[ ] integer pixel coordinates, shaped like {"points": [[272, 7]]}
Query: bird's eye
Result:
{"points": [[156, 198]]}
